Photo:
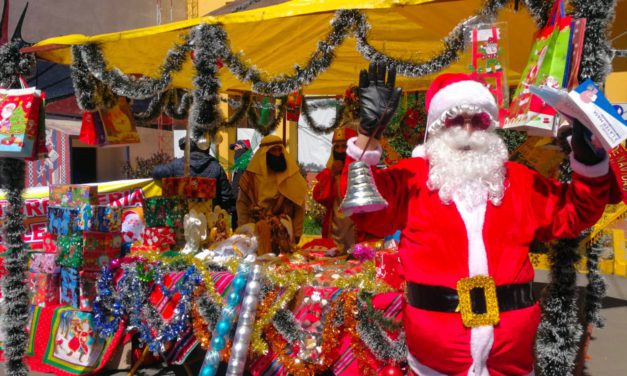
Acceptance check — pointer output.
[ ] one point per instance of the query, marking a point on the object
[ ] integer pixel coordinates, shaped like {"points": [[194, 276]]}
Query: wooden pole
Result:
{"points": [[139, 361]]}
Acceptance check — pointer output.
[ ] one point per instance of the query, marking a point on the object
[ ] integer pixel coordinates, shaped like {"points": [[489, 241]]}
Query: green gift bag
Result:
{"points": [[547, 65]]}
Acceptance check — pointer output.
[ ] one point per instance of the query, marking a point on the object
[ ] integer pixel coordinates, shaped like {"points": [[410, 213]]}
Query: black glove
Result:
{"points": [[581, 143], [377, 100]]}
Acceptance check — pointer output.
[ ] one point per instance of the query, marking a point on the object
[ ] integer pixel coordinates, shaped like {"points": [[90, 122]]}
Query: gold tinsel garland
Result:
{"points": [[331, 336], [188, 260], [281, 279], [199, 325]]}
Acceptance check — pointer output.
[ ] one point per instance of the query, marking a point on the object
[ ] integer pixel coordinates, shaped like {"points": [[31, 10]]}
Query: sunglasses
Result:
{"points": [[478, 120]]}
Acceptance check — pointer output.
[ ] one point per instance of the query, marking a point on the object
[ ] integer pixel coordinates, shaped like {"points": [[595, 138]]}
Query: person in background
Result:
{"points": [[335, 225], [201, 163], [243, 154], [272, 194]]}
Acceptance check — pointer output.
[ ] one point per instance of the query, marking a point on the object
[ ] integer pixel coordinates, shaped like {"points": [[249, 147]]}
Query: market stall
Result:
{"points": [[187, 281]]}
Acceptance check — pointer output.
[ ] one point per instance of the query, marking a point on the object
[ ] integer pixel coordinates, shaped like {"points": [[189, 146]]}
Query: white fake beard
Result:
{"points": [[468, 166]]}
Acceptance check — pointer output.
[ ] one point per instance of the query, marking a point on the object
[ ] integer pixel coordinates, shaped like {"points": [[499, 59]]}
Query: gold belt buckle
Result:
{"points": [[469, 318]]}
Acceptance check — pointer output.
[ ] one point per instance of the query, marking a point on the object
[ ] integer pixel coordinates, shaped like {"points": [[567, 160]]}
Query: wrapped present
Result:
{"points": [[69, 287], [70, 251], [43, 263], [160, 211], [73, 195], [50, 242], [189, 187], [63, 220], [106, 218], [388, 268], [87, 289], [158, 236], [84, 217], [44, 288], [99, 248], [139, 248], [155, 211]]}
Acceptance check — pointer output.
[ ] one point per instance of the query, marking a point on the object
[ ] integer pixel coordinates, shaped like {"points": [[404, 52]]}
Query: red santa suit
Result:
{"points": [[441, 244], [326, 192]]}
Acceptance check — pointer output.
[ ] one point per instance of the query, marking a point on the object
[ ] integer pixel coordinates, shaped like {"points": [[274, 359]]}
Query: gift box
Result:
{"points": [[87, 289], [44, 288], [99, 248], [70, 252], [388, 268], [63, 220], [43, 263], [158, 236], [106, 218], [139, 248], [161, 211], [69, 287], [73, 195], [189, 187], [50, 242]]}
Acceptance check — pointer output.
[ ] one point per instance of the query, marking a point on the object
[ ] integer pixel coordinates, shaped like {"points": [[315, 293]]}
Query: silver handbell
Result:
{"points": [[362, 195]]}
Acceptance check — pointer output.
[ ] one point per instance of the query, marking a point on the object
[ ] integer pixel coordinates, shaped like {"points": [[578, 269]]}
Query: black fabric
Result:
{"points": [[192, 146], [200, 164], [444, 299], [276, 164], [339, 156], [581, 143]]}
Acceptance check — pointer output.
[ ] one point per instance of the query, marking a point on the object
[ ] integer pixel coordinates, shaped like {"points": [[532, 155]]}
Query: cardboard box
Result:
{"points": [[87, 289], [106, 218], [44, 288], [161, 211], [73, 195], [189, 187], [99, 248], [69, 287], [62, 221], [70, 252], [43, 263]]}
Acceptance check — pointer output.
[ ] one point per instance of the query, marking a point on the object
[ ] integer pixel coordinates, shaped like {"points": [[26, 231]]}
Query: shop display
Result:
{"points": [[171, 269]]}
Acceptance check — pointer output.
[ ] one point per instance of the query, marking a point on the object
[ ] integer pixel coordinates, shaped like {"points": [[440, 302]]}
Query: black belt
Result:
{"points": [[444, 299]]}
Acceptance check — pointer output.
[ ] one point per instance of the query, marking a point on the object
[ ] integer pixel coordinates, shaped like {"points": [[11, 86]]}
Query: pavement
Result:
{"points": [[607, 351]]}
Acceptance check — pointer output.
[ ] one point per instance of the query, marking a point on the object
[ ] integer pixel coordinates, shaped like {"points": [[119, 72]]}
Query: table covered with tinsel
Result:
{"points": [[299, 314]]}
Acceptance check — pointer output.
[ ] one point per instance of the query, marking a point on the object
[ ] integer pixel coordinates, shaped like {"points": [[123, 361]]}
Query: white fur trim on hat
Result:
{"points": [[458, 93], [420, 151], [371, 157]]}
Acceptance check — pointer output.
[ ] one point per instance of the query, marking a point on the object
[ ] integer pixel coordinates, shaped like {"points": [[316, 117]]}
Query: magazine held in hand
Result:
{"points": [[587, 104]]}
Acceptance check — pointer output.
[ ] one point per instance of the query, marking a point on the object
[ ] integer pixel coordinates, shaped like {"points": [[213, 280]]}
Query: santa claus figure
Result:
{"points": [[467, 217]]}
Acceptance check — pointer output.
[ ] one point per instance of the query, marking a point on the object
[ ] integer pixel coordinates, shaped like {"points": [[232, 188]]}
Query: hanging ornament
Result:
{"points": [[293, 106], [390, 370]]}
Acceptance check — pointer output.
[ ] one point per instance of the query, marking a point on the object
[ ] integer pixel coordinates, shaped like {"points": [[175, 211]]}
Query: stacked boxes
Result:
{"points": [[85, 236]]}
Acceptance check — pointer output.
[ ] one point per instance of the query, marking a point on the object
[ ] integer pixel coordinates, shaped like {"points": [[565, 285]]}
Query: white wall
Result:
{"points": [[152, 141], [50, 18]]}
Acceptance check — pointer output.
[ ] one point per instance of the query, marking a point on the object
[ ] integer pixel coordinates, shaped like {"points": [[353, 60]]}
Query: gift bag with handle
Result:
{"points": [[114, 126], [19, 121], [547, 65]]}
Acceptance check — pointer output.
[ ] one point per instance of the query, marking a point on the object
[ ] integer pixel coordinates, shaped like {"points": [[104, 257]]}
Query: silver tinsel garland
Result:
{"points": [[14, 286], [211, 44]]}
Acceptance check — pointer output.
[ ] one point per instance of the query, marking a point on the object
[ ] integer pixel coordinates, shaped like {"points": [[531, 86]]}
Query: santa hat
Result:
{"points": [[454, 89]]}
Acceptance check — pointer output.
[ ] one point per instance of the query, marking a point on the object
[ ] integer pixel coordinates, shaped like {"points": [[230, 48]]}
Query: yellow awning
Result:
{"points": [[278, 37]]}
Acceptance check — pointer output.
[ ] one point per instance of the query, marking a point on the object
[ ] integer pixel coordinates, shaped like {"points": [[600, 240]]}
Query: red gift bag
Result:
{"points": [[113, 126], [91, 130], [19, 121]]}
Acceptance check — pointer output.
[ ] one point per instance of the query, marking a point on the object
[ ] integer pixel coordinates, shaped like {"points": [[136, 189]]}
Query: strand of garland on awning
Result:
{"points": [[212, 49]]}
